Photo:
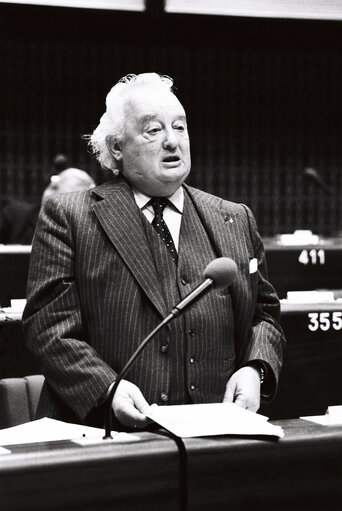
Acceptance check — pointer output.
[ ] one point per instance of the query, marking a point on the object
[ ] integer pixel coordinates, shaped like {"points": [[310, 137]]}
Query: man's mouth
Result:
{"points": [[171, 159]]}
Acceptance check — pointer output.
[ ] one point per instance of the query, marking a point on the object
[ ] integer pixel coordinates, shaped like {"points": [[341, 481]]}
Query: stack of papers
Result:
{"points": [[50, 430], [299, 237], [332, 417], [182, 420], [15, 311], [310, 296], [212, 419]]}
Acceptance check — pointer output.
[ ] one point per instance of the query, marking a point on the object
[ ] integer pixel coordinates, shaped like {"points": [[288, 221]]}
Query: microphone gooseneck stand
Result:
{"points": [[176, 311], [123, 372]]}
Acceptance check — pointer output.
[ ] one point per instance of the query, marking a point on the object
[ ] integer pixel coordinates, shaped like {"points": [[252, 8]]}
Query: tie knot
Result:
{"points": [[158, 204]]}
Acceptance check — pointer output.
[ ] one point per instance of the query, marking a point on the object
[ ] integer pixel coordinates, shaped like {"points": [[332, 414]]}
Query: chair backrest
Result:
{"points": [[19, 399]]}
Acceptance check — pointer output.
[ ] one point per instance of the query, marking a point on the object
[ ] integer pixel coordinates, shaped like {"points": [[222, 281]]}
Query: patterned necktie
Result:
{"points": [[160, 226]]}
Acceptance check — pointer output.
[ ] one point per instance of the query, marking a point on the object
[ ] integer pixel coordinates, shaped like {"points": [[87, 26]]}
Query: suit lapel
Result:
{"points": [[220, 223], [120, 217]]}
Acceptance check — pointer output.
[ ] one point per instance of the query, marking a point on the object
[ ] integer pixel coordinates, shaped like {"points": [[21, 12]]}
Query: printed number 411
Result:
{"points": [[312, 256]]}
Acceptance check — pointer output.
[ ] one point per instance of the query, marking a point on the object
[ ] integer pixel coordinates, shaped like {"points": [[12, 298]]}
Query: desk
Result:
{"points": [[61, 476], [304, 267], [15, 359], [311, 378], [301, 472], [14, 264]]}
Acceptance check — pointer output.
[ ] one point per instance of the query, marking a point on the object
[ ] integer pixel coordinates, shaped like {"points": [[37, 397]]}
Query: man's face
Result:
{"points": [[156, 150]]}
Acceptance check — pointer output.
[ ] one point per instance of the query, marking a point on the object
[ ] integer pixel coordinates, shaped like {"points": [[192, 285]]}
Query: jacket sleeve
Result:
{"points": [[52, 320], [267, 341]]}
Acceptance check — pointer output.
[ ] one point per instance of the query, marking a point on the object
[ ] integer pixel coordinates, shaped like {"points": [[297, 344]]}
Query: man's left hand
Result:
{"points": [[243, 388]]}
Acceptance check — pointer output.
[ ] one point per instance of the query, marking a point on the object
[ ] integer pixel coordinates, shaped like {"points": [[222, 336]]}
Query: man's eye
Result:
{"points": [[153, 131], [180, 127]]}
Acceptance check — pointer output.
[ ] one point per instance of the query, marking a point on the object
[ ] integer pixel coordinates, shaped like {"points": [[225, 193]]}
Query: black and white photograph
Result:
{"points": [[170, 255]]}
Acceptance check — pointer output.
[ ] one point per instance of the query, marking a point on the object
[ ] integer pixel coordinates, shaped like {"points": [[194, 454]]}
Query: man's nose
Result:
{"points": [[170, 141]]}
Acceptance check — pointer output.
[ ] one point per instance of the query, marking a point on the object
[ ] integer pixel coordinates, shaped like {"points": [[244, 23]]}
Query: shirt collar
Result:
{"points": [[177, 199]]}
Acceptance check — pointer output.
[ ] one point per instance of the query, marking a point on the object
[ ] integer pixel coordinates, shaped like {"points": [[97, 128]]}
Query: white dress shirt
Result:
{"points": [[172, 213]]}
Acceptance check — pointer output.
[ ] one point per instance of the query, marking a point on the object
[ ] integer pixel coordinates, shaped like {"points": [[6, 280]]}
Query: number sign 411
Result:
{"points": [[312, 256]]}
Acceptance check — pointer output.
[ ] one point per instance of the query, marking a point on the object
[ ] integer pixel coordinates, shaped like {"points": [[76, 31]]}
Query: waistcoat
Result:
{"points": [[201, 341]]}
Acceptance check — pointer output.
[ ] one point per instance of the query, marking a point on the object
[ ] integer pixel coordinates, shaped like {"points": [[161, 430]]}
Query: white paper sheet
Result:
{"points": [[299, 237], [212, 419], [310, 297], [48, 430], [332, 417]]}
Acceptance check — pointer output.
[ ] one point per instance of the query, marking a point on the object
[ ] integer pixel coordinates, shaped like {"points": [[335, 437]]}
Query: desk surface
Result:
{"points": [[62, 476], [298, 472], [325, 243], [15, 249], [302, 471]]}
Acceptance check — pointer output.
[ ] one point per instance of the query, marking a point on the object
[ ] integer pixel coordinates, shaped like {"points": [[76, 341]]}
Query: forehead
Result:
{"points": [[144, 103]]}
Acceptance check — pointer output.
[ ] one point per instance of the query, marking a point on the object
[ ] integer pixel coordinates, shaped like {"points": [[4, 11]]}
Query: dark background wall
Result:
{"points": [[263, 97]]}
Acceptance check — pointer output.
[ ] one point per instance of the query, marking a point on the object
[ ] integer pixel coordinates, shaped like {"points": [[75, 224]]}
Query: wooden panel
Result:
{"points": [[311, 377], [304, 267], [298, 472]]}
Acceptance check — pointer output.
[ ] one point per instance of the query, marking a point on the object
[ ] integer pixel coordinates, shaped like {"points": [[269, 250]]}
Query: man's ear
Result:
{"points": [[114, 147]]}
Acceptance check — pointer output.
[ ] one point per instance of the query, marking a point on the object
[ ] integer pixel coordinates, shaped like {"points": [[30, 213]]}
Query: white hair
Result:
{"points": [[113, 121]]}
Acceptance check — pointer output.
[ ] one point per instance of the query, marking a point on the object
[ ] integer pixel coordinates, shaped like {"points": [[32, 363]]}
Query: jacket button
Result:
{"points": [[164, 397], [183, 281], [191, 360], [164, 348], [192, 387], [192, 332]]}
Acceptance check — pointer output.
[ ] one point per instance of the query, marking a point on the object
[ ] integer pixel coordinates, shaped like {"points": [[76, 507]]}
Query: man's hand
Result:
{"points": [[243, 388], [129, 405]]}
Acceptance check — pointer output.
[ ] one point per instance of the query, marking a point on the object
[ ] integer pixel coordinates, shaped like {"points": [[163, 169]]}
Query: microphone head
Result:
{"points": [[311, 174], [314, 176], [222, 271]]}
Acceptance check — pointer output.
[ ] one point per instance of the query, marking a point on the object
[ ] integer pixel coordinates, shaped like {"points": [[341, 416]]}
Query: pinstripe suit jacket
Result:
{"points": [[93, 295]]}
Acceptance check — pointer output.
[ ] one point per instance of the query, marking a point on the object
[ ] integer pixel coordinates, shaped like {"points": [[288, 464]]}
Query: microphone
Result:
{"points": [[312, 175], [219, 273]]}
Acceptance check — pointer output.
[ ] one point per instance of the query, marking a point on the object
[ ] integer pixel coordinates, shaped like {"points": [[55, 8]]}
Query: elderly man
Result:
{"points": [[108, 264]]}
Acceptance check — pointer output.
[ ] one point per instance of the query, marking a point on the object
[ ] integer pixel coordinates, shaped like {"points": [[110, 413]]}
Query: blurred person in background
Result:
{"points": [[18, 217]]}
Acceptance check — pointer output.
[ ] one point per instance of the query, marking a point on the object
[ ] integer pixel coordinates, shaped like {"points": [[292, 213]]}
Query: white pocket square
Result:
{"points": [[253, 265]]}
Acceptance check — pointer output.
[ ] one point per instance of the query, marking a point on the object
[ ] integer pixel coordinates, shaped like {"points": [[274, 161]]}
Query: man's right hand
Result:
{"points": [[129, 405]]}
